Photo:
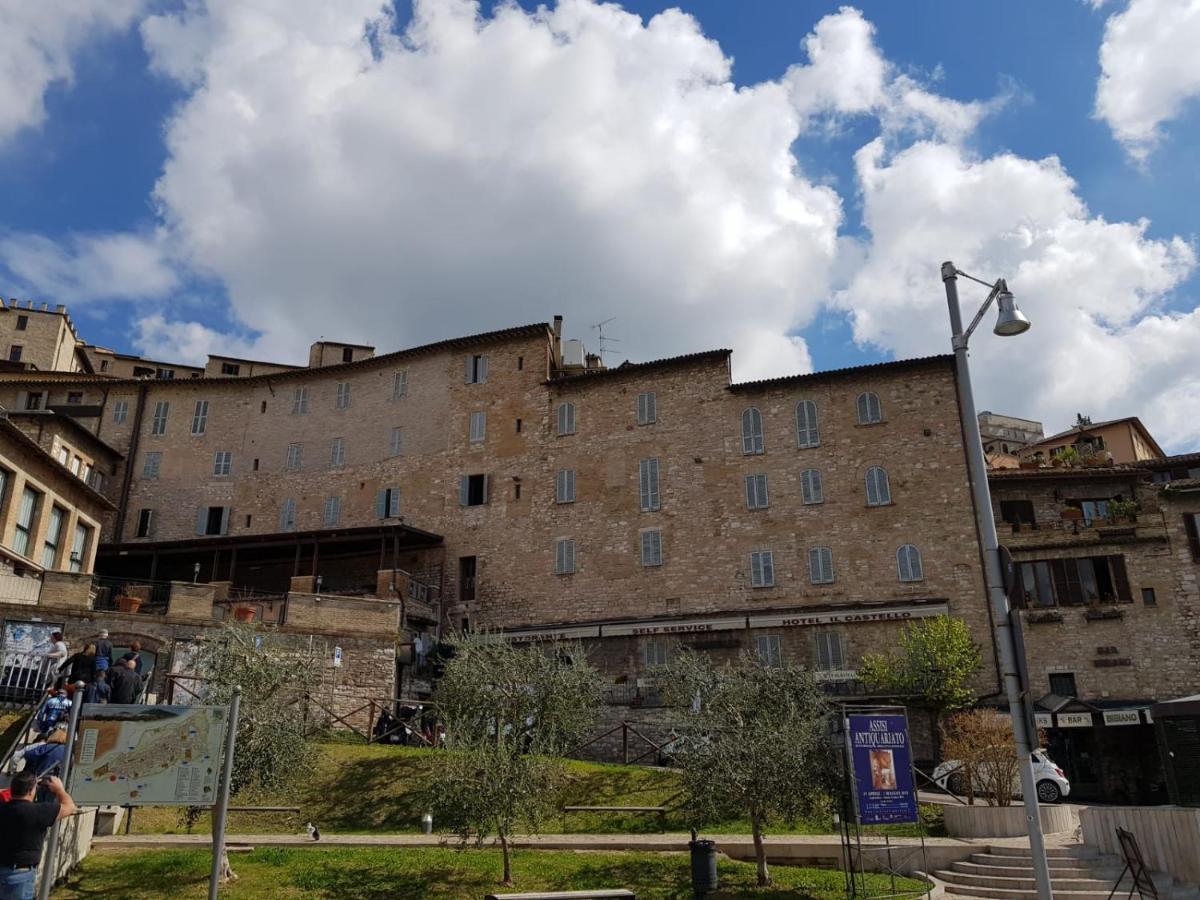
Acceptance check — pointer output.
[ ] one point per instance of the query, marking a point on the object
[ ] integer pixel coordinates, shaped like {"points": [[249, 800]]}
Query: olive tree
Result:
{"points": [[935, 664], [754, 742], [510, 712]]}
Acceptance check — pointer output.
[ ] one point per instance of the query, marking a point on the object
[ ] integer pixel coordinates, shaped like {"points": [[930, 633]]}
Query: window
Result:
{"points": [[879, 491], [1091, 509], [33, 400], [396, 442], [387, 503], [648, 485], [294, 457], [400, 384], [756, 492], [22, 323], [159, 423], [807, 433], [520, 363], [254, 464], [654, 653], [337, 453], [564, 557], [869, 410], [652, 547], [145, 523], [76, 462], [564, 486], [467, 566], [143, 371], [478, 427], [820, 565], [1191, 525], [1072, 582], [762, 568], [120, 412], [222, 462], [811, 489], [518, 426], [54, 527], [647, 408], [1148, 597], [908, 563], [342, 401], [1063, 684], [768, 649], [1017, 512], [230, 368], [830, 655], [74, 396], [333, 511], [477, 367], [287, 515], [212, 520], [63, 455], [26, 516], [14, 353], [104, 365], [347, 355], [200, 417], [152, 464], [472, 490], [752, 433], [79, 547], [300, 401], [566, 418]]}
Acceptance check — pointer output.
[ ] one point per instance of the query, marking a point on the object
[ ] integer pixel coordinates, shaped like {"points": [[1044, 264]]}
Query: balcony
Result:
{"points": [[1071, 532]]}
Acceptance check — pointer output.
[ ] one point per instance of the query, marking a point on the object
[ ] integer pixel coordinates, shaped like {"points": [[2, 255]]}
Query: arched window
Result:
{"points": [[807, 433], [908, 563], [869, 410], [811, 488], [820, 565], [566, 418], [879, 491], [752, 433]]}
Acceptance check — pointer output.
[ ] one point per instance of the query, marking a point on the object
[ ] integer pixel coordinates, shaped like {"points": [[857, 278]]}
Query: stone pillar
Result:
{"points": [[191, 601], [73, 589], [303, 584]]}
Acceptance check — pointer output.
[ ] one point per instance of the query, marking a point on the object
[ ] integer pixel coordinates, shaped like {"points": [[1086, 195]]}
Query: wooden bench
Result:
{"points": [[599, 894], [660, 811]]}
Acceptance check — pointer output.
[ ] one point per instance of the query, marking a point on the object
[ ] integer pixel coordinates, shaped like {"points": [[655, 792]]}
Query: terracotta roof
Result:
{"points": [[7, 427], [632, 368], [474, 340], [253, 362], [1086, 429], [1072, 472], [914, 363], [1167, 462]]}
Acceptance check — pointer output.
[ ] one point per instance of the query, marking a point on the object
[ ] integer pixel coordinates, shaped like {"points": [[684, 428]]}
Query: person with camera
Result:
{"points": [[24, 822]]}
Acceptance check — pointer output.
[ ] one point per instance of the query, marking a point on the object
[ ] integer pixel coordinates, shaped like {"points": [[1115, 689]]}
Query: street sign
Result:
{"points": [[337, 657]]}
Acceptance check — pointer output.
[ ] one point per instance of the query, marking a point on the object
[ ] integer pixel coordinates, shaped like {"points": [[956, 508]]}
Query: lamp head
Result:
{"points": [[1010, 320]]}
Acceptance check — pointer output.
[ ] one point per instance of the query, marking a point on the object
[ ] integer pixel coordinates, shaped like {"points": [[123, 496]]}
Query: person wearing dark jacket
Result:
{"points": [[135, 653], [125, 683], [103, 652], [99, 691], [82, 664], [24, 821]]}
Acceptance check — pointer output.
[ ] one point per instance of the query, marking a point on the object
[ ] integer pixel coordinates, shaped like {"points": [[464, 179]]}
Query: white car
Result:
{"points": [[1052, 784]]}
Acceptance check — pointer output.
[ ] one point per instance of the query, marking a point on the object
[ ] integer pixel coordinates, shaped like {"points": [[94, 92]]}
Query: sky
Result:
{"points": [[780, 177]]}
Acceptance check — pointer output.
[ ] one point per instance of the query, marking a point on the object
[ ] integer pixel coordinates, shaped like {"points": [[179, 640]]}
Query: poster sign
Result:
{"points": [[28, 637], [881, 765], [148, 755]]}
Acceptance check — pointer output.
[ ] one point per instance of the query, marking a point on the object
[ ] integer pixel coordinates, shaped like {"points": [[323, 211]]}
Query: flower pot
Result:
{"points": [[244, 613], [127, 604]]}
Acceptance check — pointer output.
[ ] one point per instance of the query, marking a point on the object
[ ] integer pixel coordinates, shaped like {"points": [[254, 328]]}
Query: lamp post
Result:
{"points": [[1010, 321]]}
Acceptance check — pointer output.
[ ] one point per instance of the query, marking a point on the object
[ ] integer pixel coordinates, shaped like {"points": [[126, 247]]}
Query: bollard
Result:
{"points": [[704, 866], [427, 823]]}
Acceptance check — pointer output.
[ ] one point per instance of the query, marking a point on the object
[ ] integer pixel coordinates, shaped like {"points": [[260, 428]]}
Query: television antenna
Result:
{"points": [[602, 340]]}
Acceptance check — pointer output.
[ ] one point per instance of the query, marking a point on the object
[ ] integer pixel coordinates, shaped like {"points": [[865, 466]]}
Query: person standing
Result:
{"points": [[135, 654], [56, 657], [125, 682], [99, 691], [23, 826], [54, 709], [47, 757], [83, 665], [104, 651]]}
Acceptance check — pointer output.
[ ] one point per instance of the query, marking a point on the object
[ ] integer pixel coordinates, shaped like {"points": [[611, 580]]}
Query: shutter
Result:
{"points": [[394, 502], [1120, 577], [570, 473], [641, 409], [381, 505], [755, 569], [1191, 524], [225, 510], [904, 564], [655, 501], [768, 568], [817, 489], [827, 565], [837, 659], [761, 489], [283, 516], [468, 375], [483, 367], [486, 494], [643, 484], [862, 409], [651, 407], [202, 520], [464, 489], [872, 488], [570, 556], [915, 566], [751, 492]]}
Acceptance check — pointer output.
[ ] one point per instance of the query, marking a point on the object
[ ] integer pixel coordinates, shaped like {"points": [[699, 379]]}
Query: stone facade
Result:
{"points": [[38, 338]]}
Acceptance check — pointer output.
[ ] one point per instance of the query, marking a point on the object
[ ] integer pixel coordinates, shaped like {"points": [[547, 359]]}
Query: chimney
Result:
{"points": [[29, 304], [558, 340], [45, 307], [14, 302], [61, 309]]}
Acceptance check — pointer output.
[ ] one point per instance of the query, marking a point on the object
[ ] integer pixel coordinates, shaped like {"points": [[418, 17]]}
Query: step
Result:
{"points": [[982, 868], [1025, 862], [1070, 851], [990, 893], [1024, 883]]}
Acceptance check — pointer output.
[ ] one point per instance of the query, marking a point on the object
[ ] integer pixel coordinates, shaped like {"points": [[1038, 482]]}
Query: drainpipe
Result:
{"points": [[127, 480]]}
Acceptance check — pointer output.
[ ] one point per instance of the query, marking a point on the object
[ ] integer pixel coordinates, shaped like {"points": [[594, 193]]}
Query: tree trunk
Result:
{"points": [[760, 852], [935, 722], [507, 862]]}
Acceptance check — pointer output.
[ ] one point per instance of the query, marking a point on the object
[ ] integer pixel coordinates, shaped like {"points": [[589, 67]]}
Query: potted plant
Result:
{"points": [[1122, 510], [128, 604], [244, 613]]}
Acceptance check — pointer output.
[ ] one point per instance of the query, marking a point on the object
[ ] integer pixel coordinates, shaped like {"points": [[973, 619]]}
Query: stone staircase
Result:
{"points": [[1076, 873]]}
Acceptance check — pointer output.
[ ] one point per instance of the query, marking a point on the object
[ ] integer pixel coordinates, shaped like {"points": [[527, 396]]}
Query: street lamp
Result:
{"points": [[1009, 321]]}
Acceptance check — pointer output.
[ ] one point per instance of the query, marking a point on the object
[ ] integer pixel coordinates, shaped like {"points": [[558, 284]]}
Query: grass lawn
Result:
{"points": [[435, 873], [364, 788]]}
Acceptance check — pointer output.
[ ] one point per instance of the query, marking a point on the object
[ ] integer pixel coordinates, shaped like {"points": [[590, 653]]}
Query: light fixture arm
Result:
{"points": [[999, 286]]}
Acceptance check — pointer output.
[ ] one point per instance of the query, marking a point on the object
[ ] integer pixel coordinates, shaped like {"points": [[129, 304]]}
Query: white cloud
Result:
{"points": [[187, 342], [87, 268], [1150, 70], [37, 40], [1100, 342]]}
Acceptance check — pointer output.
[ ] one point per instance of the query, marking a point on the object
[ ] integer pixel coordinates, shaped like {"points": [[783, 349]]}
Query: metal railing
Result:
{"points": [[130, 595], [25, 677]]}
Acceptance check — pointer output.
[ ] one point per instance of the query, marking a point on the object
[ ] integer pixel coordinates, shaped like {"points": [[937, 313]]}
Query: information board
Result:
{"points": [[148, 755], [881, 769]]}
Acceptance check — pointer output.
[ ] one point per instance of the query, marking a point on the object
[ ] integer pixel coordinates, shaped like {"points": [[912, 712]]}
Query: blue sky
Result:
{"points": [[86, 171]]}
